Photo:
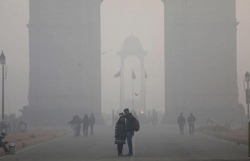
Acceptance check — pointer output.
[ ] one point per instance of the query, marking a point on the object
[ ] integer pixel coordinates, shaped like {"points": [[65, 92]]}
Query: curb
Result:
{"points": [[36, 141], [228, 138], [33, 146]]}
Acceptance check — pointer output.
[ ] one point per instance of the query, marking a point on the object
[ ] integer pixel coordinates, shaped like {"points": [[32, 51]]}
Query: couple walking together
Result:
{"points": [[182, 122], [125, 127]]}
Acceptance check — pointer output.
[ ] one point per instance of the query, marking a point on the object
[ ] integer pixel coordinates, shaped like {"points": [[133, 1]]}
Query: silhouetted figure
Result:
{"points": [[181, 123], [78, 122], [191, 119], [10, 124], [130, 122], [85, 125], [23, 126], [120, 133], [154, 117], [72, 121], [92, 123], [113, 117], [3, 144], [74, 124]]}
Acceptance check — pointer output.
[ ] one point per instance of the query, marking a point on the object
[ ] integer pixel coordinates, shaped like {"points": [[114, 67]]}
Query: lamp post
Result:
{"points": [[2, 61], [247, 79]]}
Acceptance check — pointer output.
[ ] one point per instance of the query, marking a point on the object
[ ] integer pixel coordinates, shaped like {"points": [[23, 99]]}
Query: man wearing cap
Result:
{"points": [[3, 144]]}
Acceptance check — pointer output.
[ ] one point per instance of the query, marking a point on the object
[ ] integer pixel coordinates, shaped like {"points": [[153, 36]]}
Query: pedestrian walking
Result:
{"points": [[85, 126], [191, 119], [4, 126], [181, 122], [74, 125], [120, 133], [92, 123], [130, 124], [10, 124], [78, 122]]}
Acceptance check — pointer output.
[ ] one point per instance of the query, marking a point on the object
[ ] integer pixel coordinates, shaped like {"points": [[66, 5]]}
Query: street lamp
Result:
{"points": [[247, 79], [2, 61]]}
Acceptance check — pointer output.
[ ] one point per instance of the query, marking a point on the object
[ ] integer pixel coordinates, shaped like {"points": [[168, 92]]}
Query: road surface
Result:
{"points": [[150, 143]]}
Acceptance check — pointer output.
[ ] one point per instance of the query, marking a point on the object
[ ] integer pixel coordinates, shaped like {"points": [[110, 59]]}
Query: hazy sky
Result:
{"points": [[120, 19]]}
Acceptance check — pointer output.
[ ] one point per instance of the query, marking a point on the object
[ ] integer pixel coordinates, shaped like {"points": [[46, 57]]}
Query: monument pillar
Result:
{"points": [[200, 56], [65, 59]]}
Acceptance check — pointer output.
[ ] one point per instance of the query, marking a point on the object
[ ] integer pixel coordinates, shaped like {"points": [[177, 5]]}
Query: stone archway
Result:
{"points": [[200, 43], [132, 47]]}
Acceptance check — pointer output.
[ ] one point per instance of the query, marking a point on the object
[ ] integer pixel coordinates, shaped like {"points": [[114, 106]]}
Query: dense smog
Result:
{"points": [[140, 80]]}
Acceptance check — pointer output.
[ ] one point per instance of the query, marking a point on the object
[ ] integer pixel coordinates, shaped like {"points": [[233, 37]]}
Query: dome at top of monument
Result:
{"points": [[132, 46], [132, 43]]}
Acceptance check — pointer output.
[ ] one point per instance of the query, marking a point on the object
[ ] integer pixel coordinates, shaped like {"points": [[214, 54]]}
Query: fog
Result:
{"points": [[165, 77], [120, 19]]}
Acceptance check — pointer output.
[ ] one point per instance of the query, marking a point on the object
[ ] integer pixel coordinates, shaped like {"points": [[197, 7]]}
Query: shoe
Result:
{"points": [[120, 155], [7, 153]]}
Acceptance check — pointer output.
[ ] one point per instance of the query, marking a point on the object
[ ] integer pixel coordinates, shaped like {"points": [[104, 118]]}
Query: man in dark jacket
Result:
{"points": [[130, 121], [191, 119], [92, 123], [181, 122], [3, 144]]}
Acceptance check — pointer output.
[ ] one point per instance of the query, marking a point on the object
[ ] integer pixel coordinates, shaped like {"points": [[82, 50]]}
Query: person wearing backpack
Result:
{"points": [[130, 125]]}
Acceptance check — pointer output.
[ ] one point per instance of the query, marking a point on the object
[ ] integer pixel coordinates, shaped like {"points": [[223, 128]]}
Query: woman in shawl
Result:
{"points": [[120, 133]]}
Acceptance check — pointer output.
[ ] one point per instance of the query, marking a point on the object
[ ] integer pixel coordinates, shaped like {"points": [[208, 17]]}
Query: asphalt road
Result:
{"points": [[150, 144]]}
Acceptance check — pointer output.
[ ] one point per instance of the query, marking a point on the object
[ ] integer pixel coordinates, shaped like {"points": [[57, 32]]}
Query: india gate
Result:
{"points": [[65, 57]]}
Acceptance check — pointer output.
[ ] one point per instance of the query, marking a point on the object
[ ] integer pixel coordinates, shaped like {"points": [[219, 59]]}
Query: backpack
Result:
{"points": [[136, 125]]}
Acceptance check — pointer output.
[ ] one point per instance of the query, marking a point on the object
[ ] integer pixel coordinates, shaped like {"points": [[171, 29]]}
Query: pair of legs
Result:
{"points": [[191, 129], [85, 130], [130, 135], [2, 145], [181, 129], [119, 149], [91, 129], [75, 130], [78, 129]]}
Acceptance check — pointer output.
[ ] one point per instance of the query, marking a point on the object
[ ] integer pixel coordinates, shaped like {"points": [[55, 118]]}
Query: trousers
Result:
{"points": [[85, 130], [2, 145], [130, 135], [191, 129], [181, 129]]}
